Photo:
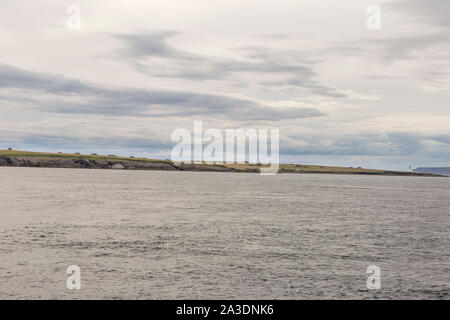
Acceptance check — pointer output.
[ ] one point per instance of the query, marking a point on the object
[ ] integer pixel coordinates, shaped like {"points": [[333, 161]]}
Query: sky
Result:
{"points": [[339, 92]]}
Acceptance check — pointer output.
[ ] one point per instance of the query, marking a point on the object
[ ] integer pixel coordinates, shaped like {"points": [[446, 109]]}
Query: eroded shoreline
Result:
{"points": [[12, 158]]}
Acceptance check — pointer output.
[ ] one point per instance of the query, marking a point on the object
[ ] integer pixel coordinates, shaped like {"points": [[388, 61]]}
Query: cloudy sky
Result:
{"points": [[339, 92]]}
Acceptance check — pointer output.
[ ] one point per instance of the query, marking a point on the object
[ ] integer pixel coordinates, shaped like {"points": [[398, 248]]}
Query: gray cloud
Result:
{"points": [[389, 144], [151, 44], [409, 147], [400, 48], [63, 140], [294, 67], [94, 99], [391, 49], [431, 11], [406, 145], [427, 56], [12, 77]]}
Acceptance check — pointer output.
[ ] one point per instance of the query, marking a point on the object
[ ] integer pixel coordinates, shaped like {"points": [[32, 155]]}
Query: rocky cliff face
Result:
{"points": [[103, 164], [140, 164]]}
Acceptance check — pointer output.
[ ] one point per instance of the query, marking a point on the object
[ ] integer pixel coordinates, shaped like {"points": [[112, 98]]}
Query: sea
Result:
{"points": [[206, 235]]}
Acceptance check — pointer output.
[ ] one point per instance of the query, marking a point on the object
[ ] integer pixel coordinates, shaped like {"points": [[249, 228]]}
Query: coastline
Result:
{"points": [[13, 158]]}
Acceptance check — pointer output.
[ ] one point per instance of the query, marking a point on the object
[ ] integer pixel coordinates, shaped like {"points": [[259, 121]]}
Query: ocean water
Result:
{"points": [[199, 235]]}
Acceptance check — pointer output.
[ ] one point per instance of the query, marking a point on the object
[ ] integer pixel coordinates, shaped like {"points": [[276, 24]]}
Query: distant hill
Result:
{"points": [[444, 171]]}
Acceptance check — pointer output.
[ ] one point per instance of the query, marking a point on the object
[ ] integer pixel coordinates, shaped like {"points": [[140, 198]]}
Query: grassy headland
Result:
{"points": [[16, 158]]}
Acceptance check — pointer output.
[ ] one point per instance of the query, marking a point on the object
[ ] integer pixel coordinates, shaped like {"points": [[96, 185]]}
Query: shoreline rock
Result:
{"points": [[80, 162]]}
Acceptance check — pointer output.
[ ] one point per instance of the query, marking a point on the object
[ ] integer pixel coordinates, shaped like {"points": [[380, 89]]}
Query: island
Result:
{"points": [[16, 158]]}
